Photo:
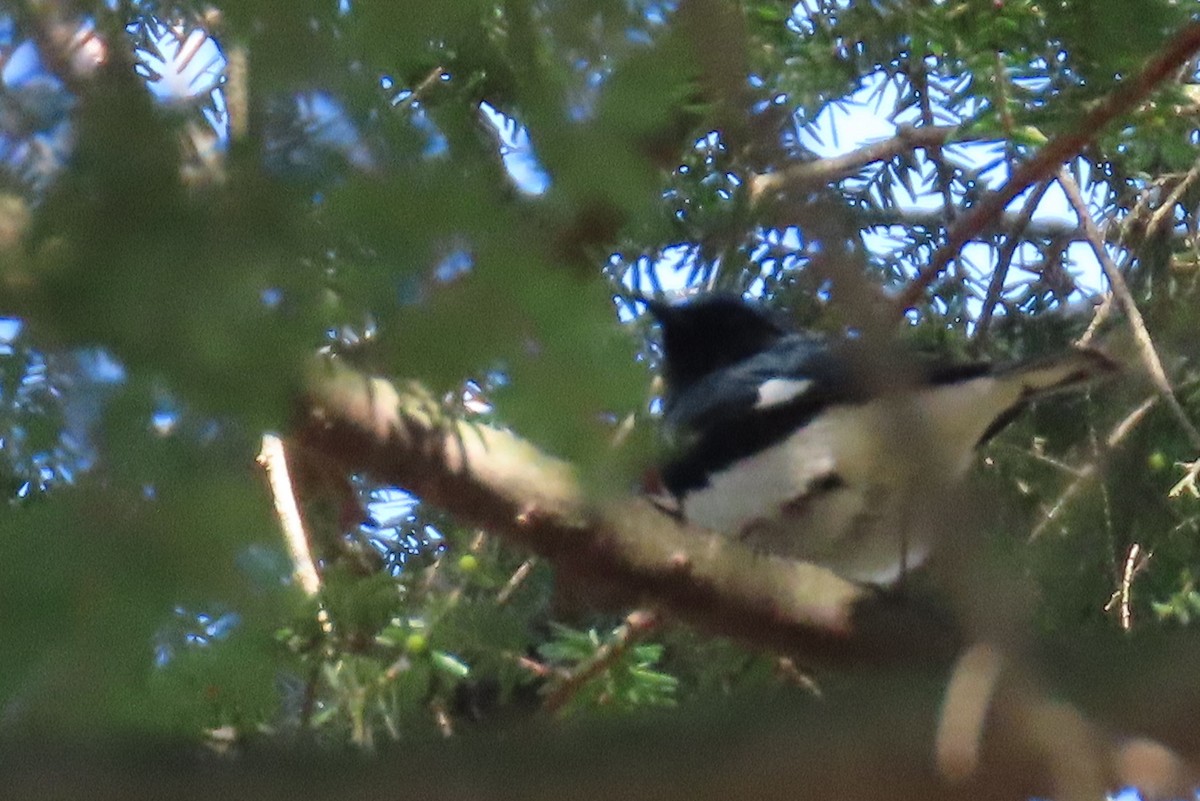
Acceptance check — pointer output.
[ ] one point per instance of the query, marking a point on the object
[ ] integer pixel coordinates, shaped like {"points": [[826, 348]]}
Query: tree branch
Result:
{"points": [[1124, 297], [1092, 469], [638, 624], [1008, 224], [1057, 151], [493, 479], [919, 79], [808, 175], [1003, 261], [273, 458]]}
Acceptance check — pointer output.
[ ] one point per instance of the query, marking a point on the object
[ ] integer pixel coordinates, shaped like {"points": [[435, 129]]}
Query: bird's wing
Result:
{"points": [[744, 409], [792, 378]]}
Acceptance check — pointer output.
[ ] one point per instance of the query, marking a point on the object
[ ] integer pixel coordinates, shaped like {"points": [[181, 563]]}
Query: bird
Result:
{"points": [[806, 446]]}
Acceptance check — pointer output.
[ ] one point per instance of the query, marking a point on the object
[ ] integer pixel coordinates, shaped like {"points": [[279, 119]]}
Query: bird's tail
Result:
{"points": [[1030, 380], [1057, 373]]}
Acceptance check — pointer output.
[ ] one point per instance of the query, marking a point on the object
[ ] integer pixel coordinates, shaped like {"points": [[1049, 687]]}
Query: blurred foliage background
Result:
{"points": [[198, 198]]}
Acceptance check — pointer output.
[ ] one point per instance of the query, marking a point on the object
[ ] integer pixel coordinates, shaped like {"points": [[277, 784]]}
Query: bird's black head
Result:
{"points": [[709, 333]]}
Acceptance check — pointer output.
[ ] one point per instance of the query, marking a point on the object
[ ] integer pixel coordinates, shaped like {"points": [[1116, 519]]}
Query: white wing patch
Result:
{"points": [[778, 391]]}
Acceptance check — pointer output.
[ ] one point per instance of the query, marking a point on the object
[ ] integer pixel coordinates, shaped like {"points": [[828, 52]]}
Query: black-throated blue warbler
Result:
{"points": [[807, 447]]}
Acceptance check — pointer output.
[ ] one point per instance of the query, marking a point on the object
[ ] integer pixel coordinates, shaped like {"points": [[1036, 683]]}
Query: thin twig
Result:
{"points": [[515, 580], [1188, 482], [1166, 210], [237, 91], [787, 670], [1038, 455], [1089, 471], [1003, 261], [1001, 100], [441, 716], [189, 46], [811, 174], [1124, 297], [1135, 562], [1103, 312], [436, 74], [637, 626], [535, 668], [273, 458], [919, 78]]}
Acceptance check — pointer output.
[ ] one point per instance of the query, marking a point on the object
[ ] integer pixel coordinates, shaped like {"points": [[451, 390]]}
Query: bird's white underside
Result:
{"points": [[874, 449]]}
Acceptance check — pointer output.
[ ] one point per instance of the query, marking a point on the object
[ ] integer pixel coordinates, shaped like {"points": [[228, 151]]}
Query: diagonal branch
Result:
{"points": [[1010, 223], [638, 624], [1124, 298], [273, 458], [1003, 261], [1090, 471], [493, 479], [1057, 151]]}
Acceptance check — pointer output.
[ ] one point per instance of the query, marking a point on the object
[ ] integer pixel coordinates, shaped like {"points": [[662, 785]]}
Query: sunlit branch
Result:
{"points": [[627, 549], [515, 581], [273, 458], [808, 175]]}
